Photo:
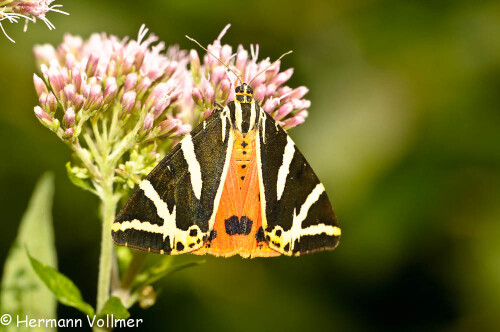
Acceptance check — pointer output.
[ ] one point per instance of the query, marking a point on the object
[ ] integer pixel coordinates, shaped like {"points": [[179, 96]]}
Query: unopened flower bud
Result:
{"points": [[69, 118], [130, 82], [111, 70], [283, 111], [225, 53], [217, 75], [166, 127], [70, 61], [183, 129], [197, 96], [147, 124], [69, 93], [128, 101], [283, 77], [78, 102], [259, 93], [143, 85], [56, 80], [270, 105], [110, 90], [68, 133], [241, 59], [92, 62], [299, 92], [40, 86], [225, 87], [194, 63], [44, 117], [76, 77]]}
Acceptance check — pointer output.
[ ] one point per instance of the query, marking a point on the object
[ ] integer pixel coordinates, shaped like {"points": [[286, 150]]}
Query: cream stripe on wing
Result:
{"points": [[238, 116], [304, 209], [193, 165], [285, 167], [169, 224], [253, 115]]}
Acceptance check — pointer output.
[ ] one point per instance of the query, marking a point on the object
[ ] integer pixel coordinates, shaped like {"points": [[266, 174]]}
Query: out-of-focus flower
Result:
{"points": [[213, 83], [29, 10]]}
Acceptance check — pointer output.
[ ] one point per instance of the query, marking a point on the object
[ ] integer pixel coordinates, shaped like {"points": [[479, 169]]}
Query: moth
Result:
{"points": [[236, 184]]}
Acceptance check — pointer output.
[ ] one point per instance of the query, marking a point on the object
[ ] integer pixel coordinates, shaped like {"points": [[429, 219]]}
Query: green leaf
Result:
{"points": [[76, 180], [114, 307], [22, 293], [61, 286]]}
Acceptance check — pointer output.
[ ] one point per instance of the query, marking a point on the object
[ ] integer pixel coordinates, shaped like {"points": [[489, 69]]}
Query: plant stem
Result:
{"points": [[108, 206]]}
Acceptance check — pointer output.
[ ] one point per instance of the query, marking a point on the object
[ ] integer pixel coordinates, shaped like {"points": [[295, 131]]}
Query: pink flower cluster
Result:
{"points": [[130, 80], [213, 83], [134, 83]]}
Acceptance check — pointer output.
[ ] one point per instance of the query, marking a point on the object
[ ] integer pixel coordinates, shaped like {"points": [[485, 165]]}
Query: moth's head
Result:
{"points": [[244, 94]]}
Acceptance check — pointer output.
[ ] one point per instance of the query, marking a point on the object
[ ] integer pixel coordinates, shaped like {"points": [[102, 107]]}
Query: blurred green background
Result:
{"points": [[404, 131]]}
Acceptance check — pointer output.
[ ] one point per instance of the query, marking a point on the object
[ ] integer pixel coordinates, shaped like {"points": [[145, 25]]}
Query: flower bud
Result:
{"points": [[225, 53], [45, 71], [40, 86], [294, 121], [143, 86], [218, 75], [270, 105], [183, 129], [70, 61], [194, 63], [299, 92], [128, 101], [127, 64], [159, 99], [92, 62], [68, 133], [56, 80], [69, 118], [283, 77], [225, 87], [76, 77], [259, 93], [69, 93], [48, 102], [283, 111], [44, 117], [241, 59], [110, 90], [78, 102], [111, 70], [147, 124], [130, 82], [197, 96], [207, 90], [166, 127]]}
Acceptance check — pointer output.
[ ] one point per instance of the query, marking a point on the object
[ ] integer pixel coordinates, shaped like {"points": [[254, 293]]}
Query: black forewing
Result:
{"points": [[172, 182], [300, 182]]}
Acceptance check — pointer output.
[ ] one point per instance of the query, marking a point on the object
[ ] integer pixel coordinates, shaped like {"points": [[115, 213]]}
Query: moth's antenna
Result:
{"points": [[238, 77], [269, 66]]}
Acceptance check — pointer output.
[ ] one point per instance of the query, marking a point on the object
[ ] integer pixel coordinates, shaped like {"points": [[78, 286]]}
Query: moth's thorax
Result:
{"points": [[244, 116]]}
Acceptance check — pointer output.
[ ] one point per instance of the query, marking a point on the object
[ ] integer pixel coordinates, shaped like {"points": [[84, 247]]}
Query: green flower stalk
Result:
{"points": [[29, 10], [120, 105]]}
